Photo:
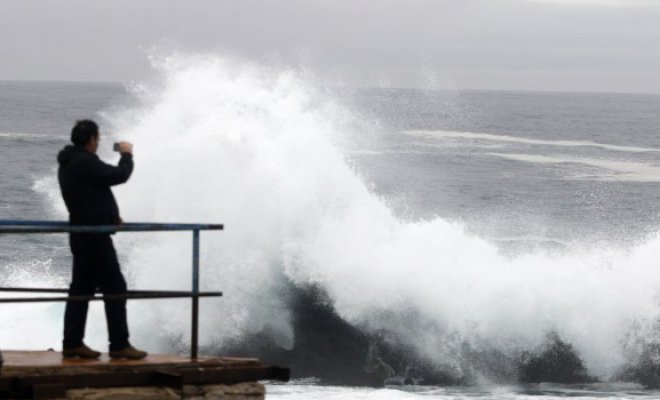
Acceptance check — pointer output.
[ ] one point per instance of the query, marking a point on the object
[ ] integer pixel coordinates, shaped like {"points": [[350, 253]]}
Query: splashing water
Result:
{"points": [[257, 149]]}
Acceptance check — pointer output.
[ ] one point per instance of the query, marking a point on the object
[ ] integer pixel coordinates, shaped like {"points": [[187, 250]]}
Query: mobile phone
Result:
{"points": [[115, 147]]}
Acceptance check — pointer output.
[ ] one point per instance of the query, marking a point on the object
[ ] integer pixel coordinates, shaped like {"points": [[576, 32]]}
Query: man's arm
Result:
{"points": [[100, 173]]}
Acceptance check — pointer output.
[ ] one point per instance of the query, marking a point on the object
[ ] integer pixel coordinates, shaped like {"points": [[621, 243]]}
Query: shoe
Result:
{"points": [[81, 351], [128, 352]]}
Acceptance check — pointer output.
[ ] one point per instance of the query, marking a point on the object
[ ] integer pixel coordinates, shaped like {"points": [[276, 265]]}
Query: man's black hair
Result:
{"points": [[83, 131]]}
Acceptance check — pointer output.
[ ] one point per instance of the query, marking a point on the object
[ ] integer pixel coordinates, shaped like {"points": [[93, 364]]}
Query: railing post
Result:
{"points": [[195, 297]]}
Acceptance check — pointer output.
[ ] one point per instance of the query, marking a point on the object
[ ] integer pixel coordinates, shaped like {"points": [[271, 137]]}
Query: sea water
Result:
{"points": [[443, 217]]}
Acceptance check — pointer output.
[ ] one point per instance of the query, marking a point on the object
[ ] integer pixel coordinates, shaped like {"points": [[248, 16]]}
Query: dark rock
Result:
{"points": [[558, 363], [646, 370], [326, 347], [338, 353]]}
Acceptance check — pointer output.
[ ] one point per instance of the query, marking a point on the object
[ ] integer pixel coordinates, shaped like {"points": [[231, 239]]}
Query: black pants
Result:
{"points": [[95, 266]]}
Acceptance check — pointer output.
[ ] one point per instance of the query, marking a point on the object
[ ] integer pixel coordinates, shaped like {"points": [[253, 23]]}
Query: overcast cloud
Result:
{"points": [[571, 45]]}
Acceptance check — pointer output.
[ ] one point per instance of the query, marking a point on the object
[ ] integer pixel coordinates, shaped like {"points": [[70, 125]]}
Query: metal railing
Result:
{"points": [[31, 227]]}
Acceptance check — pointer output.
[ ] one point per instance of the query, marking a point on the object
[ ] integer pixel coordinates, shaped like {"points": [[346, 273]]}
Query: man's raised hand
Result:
{"points": [[126, 147]]}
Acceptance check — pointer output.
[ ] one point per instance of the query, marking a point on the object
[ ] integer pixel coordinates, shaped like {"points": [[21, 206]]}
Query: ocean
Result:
{"points": [[454, 224]]}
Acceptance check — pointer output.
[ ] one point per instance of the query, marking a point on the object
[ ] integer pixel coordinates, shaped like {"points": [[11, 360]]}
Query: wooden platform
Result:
{"points": [[22, 362], [45, 374]]}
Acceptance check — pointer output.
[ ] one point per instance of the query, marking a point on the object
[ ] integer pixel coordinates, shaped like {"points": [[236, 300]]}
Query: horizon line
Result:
{"points": [[465, 89]]}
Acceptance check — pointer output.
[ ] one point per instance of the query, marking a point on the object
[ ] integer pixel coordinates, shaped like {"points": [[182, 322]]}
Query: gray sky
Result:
{"points": [[568, 45]]}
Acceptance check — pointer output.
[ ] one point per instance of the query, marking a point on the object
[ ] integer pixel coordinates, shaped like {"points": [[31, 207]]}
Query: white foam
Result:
{"points": [[224, 141], [611, 170], [22, 322], [302, 391], [440, 134], [314, 392]]}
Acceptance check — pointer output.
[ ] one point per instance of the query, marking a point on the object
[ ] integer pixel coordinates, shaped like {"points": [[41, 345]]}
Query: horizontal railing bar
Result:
{"points": [[34, 290], [66, 223], [32, 222], [65, 290], [20, 226], [143, 296]]}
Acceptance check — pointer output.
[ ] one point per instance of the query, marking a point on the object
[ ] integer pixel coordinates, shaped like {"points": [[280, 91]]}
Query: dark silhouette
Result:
{"points": [[85, 182]]}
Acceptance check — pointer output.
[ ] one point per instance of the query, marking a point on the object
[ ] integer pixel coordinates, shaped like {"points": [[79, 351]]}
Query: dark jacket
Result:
{"points": [[85, 182]]}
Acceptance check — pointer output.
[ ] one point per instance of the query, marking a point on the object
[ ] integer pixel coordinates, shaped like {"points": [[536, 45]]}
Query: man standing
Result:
{"points": [[85, 183]]}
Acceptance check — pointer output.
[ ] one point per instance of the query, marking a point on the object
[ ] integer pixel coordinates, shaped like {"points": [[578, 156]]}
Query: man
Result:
{"points": [[85, 182]]}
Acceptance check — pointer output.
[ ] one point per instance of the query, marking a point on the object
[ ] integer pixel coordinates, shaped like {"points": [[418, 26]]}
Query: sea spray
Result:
{"points": [[220, 140]]}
